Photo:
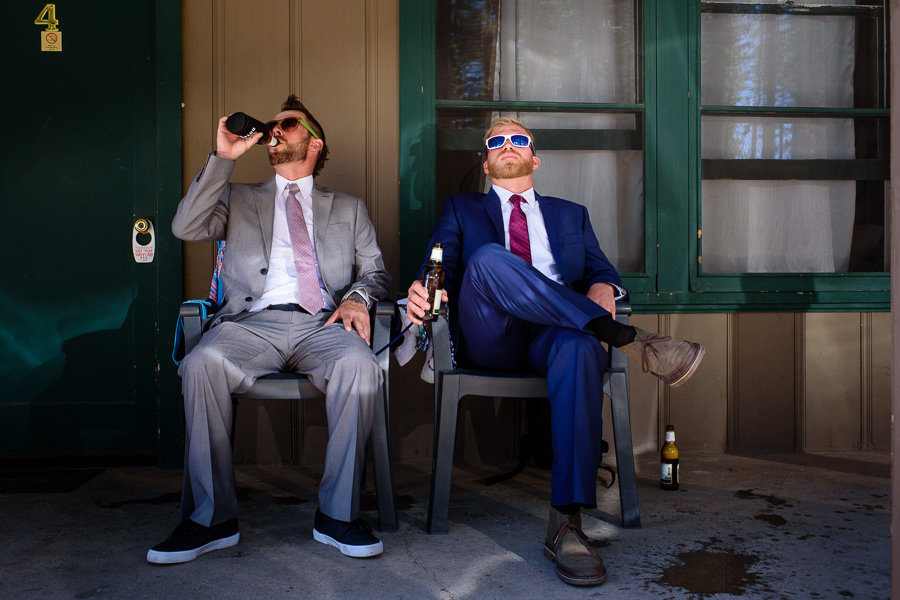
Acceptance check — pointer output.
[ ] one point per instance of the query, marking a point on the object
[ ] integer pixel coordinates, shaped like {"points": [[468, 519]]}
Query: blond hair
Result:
{"points": [[500, 122]]}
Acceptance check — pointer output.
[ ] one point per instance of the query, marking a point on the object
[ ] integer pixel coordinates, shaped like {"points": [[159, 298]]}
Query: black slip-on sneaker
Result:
{"points": [[352, 539], [190, 540]]}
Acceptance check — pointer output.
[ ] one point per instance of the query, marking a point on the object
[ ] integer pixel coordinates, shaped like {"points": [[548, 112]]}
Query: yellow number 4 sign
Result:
{"points": [[51, 37]]}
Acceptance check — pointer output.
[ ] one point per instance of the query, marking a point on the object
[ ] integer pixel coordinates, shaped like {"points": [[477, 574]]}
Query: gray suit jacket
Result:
{"points": [[243, 215]]}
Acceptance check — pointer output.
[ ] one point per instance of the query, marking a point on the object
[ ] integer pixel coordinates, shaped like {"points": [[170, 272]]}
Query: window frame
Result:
{"points": [[672, 280]]}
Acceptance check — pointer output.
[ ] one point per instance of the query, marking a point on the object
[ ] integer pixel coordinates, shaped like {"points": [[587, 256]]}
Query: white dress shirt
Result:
{"points": [[541, 255], [281, 279]]}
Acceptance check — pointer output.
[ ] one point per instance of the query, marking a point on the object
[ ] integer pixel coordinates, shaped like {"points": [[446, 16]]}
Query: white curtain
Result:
{"points": [[781, 61], [579, 51]]}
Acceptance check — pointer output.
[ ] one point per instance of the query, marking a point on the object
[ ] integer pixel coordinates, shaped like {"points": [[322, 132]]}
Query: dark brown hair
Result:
{"points": [[293, 103]]}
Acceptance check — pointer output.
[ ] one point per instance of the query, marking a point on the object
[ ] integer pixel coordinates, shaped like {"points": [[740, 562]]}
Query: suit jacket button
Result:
{"points": [[249, 298], [263, 271]]}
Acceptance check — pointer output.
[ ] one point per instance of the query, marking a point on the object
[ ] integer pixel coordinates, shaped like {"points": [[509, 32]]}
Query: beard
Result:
{"points": [[509, 169], [285, 153]]}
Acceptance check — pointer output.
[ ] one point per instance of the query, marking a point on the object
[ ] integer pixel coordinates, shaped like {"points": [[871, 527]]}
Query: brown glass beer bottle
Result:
{"points": [[668, 462], [434, 281]]}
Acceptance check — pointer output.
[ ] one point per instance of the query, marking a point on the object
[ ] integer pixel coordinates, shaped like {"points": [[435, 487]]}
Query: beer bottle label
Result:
{"points": [[665, 473], [438, 296]]}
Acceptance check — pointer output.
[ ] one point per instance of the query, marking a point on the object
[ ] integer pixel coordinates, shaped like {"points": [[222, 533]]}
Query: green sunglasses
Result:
{"points": [[290, 124]]}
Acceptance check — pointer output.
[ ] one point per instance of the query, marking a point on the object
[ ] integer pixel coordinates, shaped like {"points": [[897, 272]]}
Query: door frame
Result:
{"points": [[169, 413]]}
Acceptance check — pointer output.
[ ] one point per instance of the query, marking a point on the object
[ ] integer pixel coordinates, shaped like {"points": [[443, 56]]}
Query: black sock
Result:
{"points": [[612, 332]]}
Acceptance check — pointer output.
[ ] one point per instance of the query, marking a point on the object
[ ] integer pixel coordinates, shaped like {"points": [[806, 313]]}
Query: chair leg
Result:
{"points": [[379, 447], [446, 412], [621, 414]]}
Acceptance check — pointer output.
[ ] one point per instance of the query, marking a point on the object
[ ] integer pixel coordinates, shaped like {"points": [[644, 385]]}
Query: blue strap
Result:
{"points": [[178, 346], [215, 287]]}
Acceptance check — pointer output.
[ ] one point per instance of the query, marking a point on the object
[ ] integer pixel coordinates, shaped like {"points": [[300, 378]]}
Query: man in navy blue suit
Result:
{"points": [[529, 287]]}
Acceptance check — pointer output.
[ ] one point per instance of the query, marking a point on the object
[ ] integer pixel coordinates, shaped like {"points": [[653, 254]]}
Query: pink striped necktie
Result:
{"points": [[304, 258], [519, 243]]}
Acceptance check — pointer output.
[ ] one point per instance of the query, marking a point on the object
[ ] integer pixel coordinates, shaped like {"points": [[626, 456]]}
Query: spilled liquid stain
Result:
{"points": [[773, 501], [706, 572], [598, 543], [773, 520]]}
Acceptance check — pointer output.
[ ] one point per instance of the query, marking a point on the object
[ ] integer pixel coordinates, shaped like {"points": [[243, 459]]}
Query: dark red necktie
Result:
{"points": [[519, 243]]}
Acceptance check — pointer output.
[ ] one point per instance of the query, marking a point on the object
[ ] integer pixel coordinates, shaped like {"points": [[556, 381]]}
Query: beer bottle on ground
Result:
{"points": [[668, 462], [434, 281]]}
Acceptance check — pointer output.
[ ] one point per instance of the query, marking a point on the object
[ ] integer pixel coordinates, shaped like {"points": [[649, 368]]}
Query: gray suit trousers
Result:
{"points": [[229, 358]]}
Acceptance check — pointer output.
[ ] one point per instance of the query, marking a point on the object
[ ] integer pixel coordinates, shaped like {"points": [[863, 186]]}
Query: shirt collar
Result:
{"points": [[504, 194], [305, 184]]}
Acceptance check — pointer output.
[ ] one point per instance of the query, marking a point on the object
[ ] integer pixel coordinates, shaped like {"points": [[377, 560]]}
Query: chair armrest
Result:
{"points": [[618, 362], [192, 323], [623, 311], [440, 343], [382, 319]]}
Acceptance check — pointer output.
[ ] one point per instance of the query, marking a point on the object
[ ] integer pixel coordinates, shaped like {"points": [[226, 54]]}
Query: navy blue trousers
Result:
{"points": [[512, 317]]}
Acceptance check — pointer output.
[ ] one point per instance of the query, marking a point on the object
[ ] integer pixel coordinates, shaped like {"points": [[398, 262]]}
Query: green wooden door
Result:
{"points": [[92, 142]]}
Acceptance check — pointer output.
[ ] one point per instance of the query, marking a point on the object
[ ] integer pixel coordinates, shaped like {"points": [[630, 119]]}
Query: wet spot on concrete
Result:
{"points": [[774, 520], [706, 572], [164, 499], [774, 501]]}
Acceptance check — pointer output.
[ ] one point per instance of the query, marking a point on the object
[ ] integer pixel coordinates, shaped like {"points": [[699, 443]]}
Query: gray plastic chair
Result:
{"points": [[293, 386], [452, 385]]}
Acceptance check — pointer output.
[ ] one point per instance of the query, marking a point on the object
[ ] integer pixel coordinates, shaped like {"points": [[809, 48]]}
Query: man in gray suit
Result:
{"points": [[271, 321]]}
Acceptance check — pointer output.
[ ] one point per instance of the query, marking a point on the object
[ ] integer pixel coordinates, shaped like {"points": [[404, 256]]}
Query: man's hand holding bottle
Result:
{"points": [[417, 304]]}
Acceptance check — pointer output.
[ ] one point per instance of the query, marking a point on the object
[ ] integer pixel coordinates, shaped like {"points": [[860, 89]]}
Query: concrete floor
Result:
{"points": [[774, 527]]}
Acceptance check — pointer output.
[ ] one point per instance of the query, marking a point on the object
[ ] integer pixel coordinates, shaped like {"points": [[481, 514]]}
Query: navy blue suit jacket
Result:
{"points": [[469, 221]]}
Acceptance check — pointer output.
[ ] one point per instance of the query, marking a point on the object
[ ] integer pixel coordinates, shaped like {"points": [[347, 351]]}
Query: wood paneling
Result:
{"points": [[878, 371], [699, 408], [831, 398], [763, 371]]}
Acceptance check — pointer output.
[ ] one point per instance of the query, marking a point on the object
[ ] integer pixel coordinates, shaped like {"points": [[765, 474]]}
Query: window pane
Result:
{"points": [[775, 217], [777, 226], [792, 194], [538, 50], [781, 137], [592, 159], [793, 59]]}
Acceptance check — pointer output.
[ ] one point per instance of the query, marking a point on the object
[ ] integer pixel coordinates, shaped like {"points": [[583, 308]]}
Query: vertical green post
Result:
{"points": [[170, 406], [417, 133], [675, 142]]}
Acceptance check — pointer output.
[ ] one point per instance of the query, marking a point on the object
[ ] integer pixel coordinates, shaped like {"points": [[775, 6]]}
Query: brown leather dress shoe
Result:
{"points": [[576, 562], [672, 361]]}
